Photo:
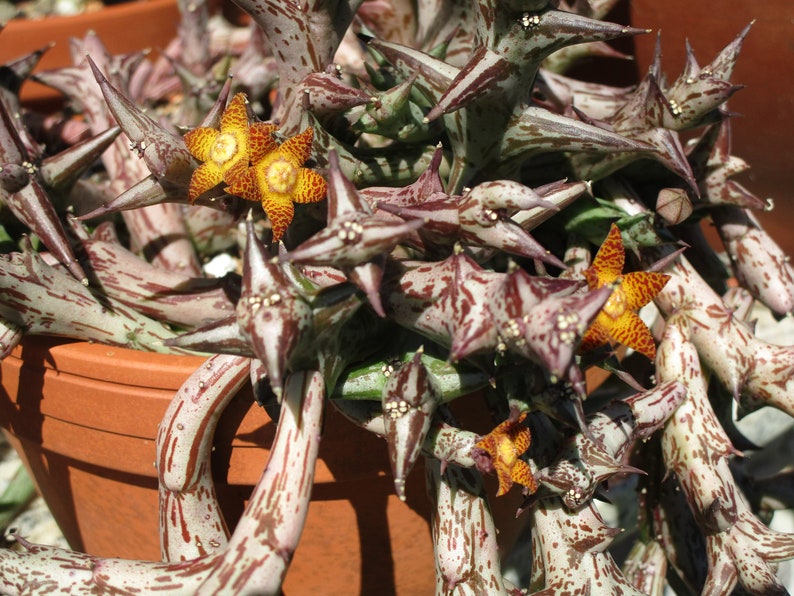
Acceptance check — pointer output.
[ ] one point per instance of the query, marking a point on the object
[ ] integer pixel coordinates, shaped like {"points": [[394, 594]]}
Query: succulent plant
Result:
{"points": [[444, 211]]}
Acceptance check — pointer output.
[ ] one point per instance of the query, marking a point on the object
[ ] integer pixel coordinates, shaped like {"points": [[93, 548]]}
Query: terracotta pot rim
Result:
{"points": [[107, 12], [86, 359], [123, 28]]}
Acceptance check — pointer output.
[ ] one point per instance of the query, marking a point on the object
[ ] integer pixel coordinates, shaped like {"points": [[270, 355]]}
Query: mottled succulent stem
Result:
{"points": [[257, 556], [45, 569], [589, 459], [570, 552], [191, 523], [166, 295], [303, 39], [758, 262], [158, 231], [740, 549], [10, 336], [464, 534], [261, 547], [646, 567], [28, 302], [193, 34]]}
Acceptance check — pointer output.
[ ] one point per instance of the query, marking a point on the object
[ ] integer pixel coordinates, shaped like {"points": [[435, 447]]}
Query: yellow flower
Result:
{"points": [[224, 152], [618, 320], [277, 179], [505, 444]]}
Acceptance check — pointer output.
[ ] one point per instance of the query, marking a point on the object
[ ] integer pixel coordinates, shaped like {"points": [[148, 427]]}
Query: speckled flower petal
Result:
{"points": [[246, 186], [235, 116], [642, 286], [298, 149], [199, 142], [609, 261], [596, 335], [206, 176], [261, 141], [633, 333], [280, 212], [619, 320], [310, 187], [238, 163]]}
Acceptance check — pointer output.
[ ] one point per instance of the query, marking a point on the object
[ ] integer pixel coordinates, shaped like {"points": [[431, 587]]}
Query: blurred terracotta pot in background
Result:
{"points": [[122, 28]]}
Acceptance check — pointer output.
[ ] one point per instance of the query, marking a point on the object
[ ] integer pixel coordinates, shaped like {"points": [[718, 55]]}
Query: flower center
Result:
{"points": [[281, 176], [224, 148], [616, 305], [507, 451]]}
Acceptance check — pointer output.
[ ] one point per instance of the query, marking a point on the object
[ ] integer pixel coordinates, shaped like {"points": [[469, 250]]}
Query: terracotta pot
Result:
{"points": [[122, 28], [762, 134], [84, 419]]}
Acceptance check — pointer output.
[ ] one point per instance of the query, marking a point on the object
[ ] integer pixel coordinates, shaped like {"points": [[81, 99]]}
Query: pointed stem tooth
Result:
{"points": [[536, 130], [165, 154], [502, 234], [722, 66], [32, 206], [223, 336], [62, 170], [409, 400], [560, 194], [12, 149], [480, 77], [343, 198], [149, 191], [329, 95], [368, 277], [351, 242], [212, 118], [272, 316]]}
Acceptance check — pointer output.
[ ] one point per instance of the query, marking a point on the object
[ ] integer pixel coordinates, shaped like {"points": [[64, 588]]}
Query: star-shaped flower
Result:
{"points": [[224, 152], [500, 452], [277, 178], [618, 320]]}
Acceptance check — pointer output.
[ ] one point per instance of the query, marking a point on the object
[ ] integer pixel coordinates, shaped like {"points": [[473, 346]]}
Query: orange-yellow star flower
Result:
{"points": [[224, 152], [277, 180], [505, 444], [618, 320]]}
